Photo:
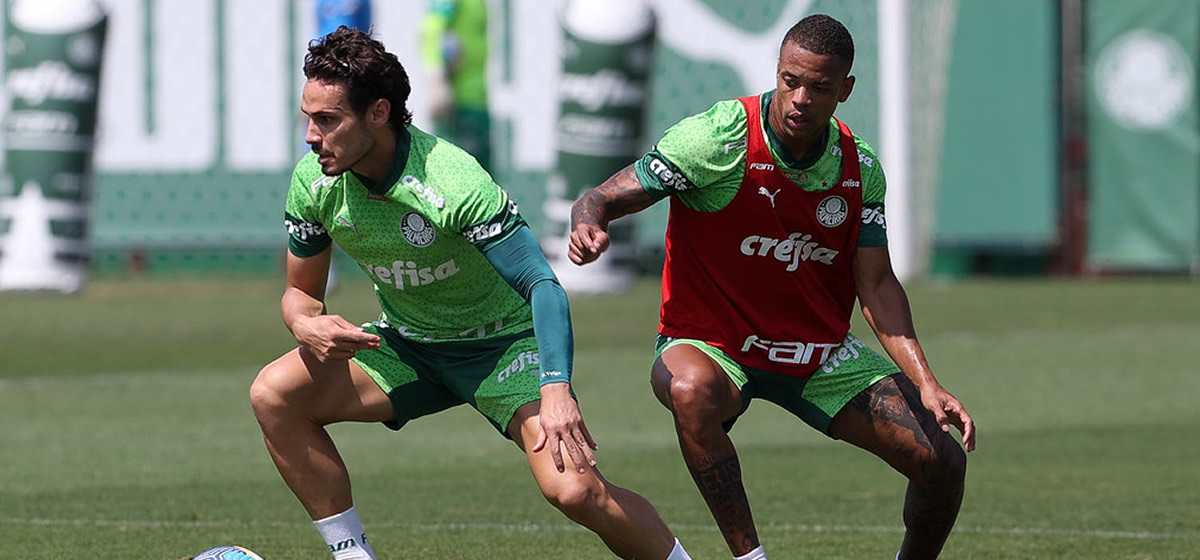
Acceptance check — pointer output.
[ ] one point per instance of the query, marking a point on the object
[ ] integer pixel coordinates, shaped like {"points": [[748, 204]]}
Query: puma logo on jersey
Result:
{"points": [[771, 195]]}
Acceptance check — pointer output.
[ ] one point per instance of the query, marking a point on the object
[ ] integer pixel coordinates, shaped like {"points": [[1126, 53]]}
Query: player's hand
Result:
{"points": [[948, 411], [562, 427], [331, 337], [588, 241]]}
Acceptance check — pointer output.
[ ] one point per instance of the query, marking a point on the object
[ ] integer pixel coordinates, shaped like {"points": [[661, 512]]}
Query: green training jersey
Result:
{"points": [[419, 235], [702, 160]]}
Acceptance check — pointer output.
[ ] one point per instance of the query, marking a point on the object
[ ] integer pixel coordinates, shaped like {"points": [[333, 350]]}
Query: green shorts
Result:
{"points": [[815, 399], [496, 376]]}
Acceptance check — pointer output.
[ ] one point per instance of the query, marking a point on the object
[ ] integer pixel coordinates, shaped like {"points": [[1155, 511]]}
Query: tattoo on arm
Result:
{"points": [[621, 195]]}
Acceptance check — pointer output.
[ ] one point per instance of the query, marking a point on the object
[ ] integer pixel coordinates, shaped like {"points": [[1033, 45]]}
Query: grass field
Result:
{"points": [[127, 433]]}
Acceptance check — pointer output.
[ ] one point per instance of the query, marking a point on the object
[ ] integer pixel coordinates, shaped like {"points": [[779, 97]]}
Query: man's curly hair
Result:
{"points": [[351, 58], [821, 34]]}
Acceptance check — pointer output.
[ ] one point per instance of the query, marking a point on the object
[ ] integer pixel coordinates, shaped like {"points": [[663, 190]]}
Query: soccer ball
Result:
{"points": [[227, 553]]}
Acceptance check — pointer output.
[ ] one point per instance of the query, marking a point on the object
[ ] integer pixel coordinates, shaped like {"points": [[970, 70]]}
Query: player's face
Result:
{"points": [[340, 137], [808, 87]]}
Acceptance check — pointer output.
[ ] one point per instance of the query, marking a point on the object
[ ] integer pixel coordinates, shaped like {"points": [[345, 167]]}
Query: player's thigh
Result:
{"points": [[692, 375], [327, 392], [889, 420]]}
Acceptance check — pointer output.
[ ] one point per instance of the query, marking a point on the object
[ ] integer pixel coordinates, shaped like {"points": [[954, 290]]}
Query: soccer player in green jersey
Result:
{"points": [[776, 228], [471, 312]]}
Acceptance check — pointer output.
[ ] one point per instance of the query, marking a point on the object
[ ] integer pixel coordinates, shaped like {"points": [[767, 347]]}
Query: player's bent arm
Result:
{"points": [[620, 195], [305, 293], [885, 306], [328, 337]]}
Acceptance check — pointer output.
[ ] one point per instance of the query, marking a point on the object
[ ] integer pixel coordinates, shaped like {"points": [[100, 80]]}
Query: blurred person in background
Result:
{"points": [[776, 227], [471, 311], [454, 53]]}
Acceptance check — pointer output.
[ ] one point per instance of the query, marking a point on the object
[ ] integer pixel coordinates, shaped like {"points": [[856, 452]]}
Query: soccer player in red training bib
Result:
{"points": [[776, 227], [471, 312]]}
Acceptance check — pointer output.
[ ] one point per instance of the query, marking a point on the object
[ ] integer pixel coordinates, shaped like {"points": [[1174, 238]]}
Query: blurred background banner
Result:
{"points": [[602, 97], [197, 124], [1144, 132], [52, 61]]}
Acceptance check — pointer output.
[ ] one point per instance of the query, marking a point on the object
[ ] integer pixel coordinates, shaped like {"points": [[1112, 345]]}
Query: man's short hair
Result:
{"points": [[351, 58], [821, 34]]}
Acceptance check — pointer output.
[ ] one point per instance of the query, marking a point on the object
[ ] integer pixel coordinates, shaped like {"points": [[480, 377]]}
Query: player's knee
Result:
{"points": [[269, 392], [693, 396], [576, 496], [947, 467]]}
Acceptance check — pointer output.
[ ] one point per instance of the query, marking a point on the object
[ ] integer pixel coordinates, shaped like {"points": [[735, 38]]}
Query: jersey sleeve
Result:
{"points": [[306, 232], [699, 151], [874, 226], [520, 262]]}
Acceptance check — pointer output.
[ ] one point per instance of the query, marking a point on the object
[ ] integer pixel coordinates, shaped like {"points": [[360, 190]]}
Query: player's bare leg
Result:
{"points": [[626, 522], [294, 398], [889, 420], [701, 397]]}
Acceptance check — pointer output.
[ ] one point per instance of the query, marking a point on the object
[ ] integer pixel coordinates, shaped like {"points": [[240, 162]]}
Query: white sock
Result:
{"points": [[678, 553], [345, 536], [756, 554]]}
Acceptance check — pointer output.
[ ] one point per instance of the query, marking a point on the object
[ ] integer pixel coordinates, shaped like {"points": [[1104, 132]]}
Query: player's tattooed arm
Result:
{"points": [[621, 195]]}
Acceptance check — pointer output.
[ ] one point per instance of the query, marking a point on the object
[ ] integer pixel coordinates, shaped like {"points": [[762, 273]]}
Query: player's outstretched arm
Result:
{"points": [[885, 307], [621, 195]]}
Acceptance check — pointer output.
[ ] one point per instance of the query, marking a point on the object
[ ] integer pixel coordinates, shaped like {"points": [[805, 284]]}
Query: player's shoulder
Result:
{"points": [[712, 134], [447, 173], [723, 117], [444, 162]]}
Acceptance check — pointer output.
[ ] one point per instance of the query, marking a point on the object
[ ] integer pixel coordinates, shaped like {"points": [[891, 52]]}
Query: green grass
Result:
{"points": [[127, 433]]}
